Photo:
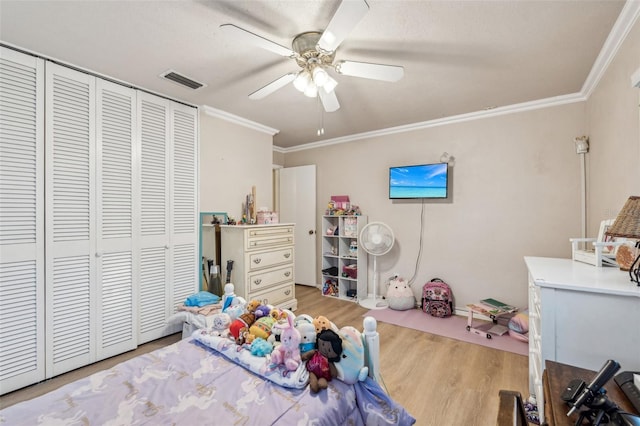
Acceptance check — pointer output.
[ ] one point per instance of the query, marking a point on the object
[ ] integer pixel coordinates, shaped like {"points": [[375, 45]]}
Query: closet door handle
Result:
{"points": [[98, 254]]}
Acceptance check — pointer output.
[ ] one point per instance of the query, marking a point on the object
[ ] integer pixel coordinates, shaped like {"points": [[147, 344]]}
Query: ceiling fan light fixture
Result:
{"points": [[320, 76], [302, 81], [311, 90]]}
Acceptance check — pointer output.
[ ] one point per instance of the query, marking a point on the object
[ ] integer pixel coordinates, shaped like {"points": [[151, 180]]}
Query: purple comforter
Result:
{"points": [[188, 384]]}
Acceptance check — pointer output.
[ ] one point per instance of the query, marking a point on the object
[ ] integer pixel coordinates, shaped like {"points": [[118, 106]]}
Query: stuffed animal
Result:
{"points": [[288, 352], [253, 305], [307, 336], [351, 368], [399, 295], [236, 307], [262, 311], [323, 323], [280, 316], [240, 325], [261, 347], [262, 327], [274, 337], [220, 324], [320, 361], [228, 296]]}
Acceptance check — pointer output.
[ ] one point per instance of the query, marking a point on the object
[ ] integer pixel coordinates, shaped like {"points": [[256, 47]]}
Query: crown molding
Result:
{"points": [[627, 18], [236, 119], [510, 109]]}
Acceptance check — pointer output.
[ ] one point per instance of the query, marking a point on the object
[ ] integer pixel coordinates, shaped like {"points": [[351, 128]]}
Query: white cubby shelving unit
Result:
{"points": [[340, 250]]}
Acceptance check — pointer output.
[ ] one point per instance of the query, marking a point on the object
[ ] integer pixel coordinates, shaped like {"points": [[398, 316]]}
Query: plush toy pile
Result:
{"points": [[302, 349]]}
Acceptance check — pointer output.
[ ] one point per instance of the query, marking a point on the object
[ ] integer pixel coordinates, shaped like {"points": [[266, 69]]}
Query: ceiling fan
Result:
{"points": [[315, 52]]}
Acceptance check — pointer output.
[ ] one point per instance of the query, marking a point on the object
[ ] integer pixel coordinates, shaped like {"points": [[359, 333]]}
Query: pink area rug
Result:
{"points": [[453, 327]]}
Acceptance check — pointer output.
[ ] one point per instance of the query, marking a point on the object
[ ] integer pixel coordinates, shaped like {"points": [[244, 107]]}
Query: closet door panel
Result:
{"points": [[22, 344], [184, 207], [116, 267], [70, 220], [155, 252]]}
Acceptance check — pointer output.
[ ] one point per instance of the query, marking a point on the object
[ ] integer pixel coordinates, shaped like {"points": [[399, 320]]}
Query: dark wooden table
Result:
{"points": [[557, 376]]}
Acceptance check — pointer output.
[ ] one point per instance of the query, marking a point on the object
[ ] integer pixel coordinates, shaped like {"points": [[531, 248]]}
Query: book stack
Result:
{"points": [[496, 304], [492, 308]]}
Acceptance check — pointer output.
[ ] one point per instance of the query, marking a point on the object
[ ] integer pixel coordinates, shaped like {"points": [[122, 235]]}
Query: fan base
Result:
{"points": [[372, 303]]}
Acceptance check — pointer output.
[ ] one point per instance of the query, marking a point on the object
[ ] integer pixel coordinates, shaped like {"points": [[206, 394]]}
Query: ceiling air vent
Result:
{"points": [[182, 80]]}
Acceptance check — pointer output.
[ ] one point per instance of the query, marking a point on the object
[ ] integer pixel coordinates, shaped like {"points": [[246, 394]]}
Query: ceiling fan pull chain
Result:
{"points": [[320, 131]]}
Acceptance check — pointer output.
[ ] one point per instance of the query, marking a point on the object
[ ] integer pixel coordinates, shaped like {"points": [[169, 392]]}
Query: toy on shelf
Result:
{"points": [[330, 287]]}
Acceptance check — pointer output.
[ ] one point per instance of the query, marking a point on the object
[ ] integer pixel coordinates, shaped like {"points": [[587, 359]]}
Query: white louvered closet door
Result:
{"points": [[154, 284], [184, 203], [116, 259], [22, 345], [70, 219], [169, 219]]}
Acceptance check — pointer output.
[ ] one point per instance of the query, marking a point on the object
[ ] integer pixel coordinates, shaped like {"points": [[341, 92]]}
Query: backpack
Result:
{"points": [[437, 299]]}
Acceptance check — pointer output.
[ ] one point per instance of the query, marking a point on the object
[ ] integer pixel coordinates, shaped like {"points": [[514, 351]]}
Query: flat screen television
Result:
{"points": [[418, 181]]}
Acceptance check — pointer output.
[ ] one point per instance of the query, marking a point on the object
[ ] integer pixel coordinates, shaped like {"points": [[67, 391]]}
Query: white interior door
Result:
{"points": [[297, 195]]}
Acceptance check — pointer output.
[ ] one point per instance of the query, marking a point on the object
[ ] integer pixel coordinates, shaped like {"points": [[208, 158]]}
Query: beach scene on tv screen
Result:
{"points": [[425, 181]]}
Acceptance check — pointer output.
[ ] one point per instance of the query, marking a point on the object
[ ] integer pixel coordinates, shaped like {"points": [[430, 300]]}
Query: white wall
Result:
{"points": [[516, 192], [233, 158], [614, 132]]}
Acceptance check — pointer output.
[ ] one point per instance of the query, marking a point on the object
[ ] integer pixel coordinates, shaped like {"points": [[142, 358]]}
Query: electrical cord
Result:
{"points": [[415, 271]]}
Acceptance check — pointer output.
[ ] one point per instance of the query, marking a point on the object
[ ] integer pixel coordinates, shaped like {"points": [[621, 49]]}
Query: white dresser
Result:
{"points": [[263, 257], [580, 315]]}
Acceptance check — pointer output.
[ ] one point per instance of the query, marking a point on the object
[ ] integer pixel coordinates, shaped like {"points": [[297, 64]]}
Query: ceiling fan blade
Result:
{"points": [[329, 100], [349, 13], [273, 86], [256, 40], [373, 71]]}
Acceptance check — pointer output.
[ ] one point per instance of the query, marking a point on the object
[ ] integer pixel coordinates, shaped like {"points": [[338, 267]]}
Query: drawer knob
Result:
{"points": [[257, 260], [288, 292], [287, 255], [257, 281], [286, 274]]}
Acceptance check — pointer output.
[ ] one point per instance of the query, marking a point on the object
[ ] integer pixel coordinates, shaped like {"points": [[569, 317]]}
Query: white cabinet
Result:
{"points": [[263, 262], [582, 316], [344, 262]]}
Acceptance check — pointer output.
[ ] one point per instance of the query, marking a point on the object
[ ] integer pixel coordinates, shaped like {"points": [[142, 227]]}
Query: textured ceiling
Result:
{"points": [[459, 56]]}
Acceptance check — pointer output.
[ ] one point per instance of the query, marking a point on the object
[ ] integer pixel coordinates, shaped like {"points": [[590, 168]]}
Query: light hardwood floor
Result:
{"points": [[440, 381]]}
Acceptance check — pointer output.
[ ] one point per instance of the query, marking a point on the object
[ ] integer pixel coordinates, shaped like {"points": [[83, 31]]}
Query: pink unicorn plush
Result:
{"points": [[288, 352]]}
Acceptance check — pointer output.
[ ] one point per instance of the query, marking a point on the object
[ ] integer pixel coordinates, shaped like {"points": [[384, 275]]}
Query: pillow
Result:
{"points": [[261, 366], [201, 298], [519, 322], [519, 326]]}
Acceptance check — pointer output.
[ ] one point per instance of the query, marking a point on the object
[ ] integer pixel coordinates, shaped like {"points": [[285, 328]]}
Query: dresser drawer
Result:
{"points": [[268, 259], [271, 236], [276, 296], [262, 280]]}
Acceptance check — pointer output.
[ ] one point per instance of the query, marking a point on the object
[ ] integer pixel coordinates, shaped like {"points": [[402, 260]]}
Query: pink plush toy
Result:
{"points": [[288, 352]]}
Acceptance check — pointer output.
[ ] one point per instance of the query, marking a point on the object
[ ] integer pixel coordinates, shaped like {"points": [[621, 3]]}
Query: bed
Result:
{"points": [[191, 382]]}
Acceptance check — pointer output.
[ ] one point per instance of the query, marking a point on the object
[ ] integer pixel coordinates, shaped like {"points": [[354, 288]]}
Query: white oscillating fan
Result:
{"points": [[376, 238]]}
